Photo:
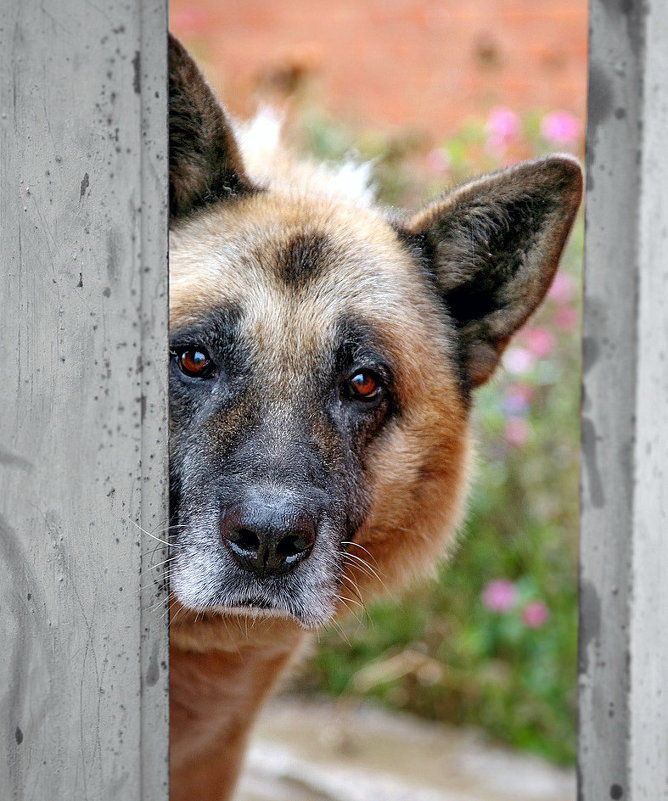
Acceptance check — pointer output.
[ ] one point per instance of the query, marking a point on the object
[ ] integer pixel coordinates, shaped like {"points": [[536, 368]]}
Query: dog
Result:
{"points": [[324, 354]]}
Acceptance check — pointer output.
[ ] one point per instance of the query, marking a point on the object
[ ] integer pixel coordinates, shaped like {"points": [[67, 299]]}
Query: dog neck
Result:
{"points": [[222, 668]]}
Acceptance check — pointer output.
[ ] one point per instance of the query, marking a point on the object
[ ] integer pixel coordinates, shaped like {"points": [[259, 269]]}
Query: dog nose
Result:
{"points": [[268, 540]]}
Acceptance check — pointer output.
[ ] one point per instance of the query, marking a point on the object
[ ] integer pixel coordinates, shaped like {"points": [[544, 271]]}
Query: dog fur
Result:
{"points": [[295, 290]]}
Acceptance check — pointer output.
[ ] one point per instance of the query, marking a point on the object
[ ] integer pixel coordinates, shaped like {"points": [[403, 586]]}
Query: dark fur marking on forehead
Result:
{"points": [[303, 257]]}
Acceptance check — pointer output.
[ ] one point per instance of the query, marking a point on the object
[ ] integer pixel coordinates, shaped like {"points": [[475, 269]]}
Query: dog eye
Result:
{"points": [[194, 362], [365, 386]]}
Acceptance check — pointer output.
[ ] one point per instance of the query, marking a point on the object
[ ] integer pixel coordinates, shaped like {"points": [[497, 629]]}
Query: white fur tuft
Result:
{"points": [[270, 164], [260, 137]]}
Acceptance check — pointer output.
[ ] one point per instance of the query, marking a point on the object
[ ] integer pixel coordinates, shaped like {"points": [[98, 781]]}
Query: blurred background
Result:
{"points": [[483, 658]]}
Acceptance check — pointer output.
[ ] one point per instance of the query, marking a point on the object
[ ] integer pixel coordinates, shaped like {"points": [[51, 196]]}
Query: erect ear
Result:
{"points": [[204, 160], [493, 246]]}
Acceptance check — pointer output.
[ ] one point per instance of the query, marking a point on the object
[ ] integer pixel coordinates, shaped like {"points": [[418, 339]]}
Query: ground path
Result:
{"points": [[328, 751]]}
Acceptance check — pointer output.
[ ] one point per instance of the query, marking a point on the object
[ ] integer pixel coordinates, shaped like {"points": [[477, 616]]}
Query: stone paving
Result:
{"points": [[329, 751]]}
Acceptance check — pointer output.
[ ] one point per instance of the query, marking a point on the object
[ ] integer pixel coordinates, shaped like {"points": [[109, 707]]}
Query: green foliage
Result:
{"points": [[458, 648]]}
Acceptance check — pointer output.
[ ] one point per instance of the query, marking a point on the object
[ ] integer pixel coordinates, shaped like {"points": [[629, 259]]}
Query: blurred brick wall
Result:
{"points": [[423, 64]]}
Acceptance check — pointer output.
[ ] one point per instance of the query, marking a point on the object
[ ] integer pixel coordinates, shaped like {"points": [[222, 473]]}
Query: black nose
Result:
{"points": [[268, 538]]}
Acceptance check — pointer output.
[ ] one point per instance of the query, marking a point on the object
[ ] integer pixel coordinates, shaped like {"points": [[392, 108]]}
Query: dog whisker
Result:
{"points": [[357, 545], [339, 628], [148, 533], [351, 582], [159, 564], [363, 566]]}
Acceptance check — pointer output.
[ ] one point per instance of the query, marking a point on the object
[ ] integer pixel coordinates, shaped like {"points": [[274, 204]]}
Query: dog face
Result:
{"points": [[323, 358]]}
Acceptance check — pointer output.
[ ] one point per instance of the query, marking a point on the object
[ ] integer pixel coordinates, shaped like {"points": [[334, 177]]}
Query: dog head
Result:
{"points": [[323, 359]]}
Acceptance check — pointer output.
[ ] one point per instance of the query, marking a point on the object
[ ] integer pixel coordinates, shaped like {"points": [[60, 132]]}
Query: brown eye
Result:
{"points": [[194, 362], [365, 385]]}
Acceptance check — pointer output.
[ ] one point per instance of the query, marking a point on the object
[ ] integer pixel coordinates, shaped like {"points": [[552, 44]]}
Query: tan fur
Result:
{"points": [[221, 670]]}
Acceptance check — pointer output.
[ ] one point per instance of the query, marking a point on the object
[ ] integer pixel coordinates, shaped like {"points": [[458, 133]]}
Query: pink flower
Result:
{"points": [[517, 431], [525, 391], [516, 401], [499, 595], [566, 318], [438, 161], [502, 126], [535, 614], [560, 127], [518, 360], [540, 341], [562, 289]]}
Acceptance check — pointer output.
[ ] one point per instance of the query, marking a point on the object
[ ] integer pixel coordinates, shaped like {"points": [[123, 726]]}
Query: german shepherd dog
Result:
{"points": [[324, 352]]}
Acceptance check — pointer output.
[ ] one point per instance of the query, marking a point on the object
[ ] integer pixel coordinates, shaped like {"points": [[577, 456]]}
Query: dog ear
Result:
{"points": [[492, 247], [204, 160]]}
